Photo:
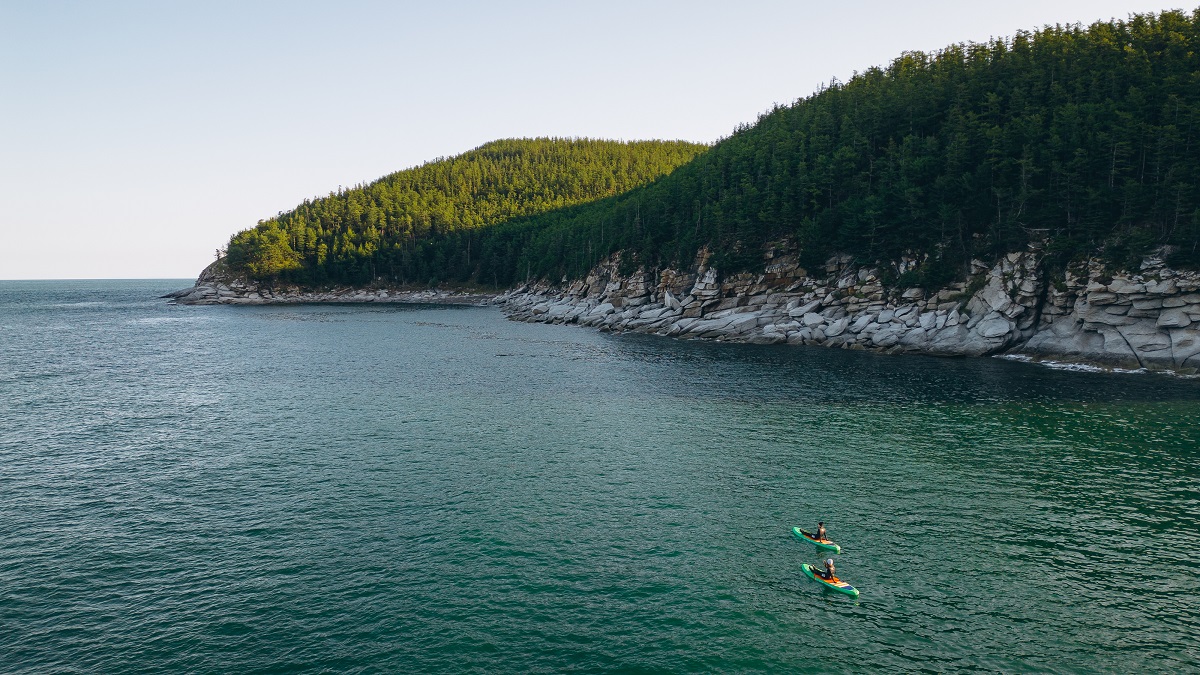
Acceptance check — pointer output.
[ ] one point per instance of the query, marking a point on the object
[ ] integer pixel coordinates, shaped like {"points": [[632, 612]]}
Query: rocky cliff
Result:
{"points": [[1144, 319], [1085, 314]]}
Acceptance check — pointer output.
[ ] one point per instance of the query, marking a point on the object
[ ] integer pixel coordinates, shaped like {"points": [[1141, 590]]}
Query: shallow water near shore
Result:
{"points": [[438, 489]]}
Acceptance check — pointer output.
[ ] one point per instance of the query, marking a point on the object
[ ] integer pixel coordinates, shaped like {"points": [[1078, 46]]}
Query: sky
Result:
{"points": [[136, 137]]}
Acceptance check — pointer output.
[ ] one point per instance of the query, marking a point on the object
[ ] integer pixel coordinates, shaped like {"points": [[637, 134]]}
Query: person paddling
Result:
{"points": [[821, 532]]}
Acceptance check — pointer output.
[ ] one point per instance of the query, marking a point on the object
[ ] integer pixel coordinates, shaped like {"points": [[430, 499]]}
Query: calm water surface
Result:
{"points": [[377, 489]]}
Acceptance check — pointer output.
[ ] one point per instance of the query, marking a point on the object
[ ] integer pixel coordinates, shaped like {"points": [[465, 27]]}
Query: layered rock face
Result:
{"points": [[1150, 319], [1146, 319]]}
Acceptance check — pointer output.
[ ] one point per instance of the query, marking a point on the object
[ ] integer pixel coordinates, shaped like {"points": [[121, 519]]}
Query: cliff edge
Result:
{"points": [[1085, 314]]}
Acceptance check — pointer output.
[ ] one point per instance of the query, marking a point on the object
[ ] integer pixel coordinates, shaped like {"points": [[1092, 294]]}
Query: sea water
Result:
{"points": [[437, 489]]}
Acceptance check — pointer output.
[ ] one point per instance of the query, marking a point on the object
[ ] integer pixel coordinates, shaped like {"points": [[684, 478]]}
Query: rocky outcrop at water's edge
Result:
{"points": [[1144, 319], [215, 286]]}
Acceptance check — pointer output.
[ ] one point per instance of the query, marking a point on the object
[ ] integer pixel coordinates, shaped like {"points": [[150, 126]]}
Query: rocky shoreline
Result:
{"points": [[1148, 319], [1144, 320], [215, 287]]}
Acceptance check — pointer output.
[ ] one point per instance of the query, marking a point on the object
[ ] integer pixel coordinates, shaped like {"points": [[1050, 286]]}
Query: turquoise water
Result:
{"points": [[437, 489]]}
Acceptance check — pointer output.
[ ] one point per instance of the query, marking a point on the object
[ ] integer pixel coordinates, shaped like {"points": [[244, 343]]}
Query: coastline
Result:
{"points": [[1086, 315], [215, 286], [229, 295]]}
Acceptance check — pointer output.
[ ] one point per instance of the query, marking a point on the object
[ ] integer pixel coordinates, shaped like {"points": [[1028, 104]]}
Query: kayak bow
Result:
{"points": [[837, 584], [821, 543]]}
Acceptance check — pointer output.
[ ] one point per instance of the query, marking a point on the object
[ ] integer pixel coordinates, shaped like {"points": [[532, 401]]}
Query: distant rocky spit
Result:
{"points": [[1145, 319], [216, 287]]}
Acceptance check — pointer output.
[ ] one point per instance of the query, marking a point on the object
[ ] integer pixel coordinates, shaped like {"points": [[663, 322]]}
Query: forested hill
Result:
{"points": [[1088, 137], [415, 225]]}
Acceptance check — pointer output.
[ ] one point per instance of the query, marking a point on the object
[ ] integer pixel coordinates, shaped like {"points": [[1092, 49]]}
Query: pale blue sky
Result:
{"points": [[136, 137]]}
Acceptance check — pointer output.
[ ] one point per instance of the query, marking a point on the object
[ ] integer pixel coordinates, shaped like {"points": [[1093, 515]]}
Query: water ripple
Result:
{"points": [[367, 489]]}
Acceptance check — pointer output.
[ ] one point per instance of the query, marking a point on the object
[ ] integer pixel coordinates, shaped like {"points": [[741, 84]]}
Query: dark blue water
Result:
{"points": [[437, 489]]}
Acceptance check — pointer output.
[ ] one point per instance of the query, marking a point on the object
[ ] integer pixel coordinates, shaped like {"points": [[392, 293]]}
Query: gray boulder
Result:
{"points": [[994, 327]]}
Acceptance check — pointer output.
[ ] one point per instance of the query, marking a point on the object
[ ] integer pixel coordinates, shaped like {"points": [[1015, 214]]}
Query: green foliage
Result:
{"points": [[264, 252], [932, 274], [424, 223], [1088, 138]]}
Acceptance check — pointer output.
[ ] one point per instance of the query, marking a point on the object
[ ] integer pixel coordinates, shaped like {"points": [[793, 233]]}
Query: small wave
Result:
{"points": [[155, 320], [1071, 366], [79, 305], [1089, 367]]}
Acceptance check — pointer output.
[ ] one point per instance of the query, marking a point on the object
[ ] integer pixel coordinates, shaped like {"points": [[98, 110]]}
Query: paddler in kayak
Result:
{"points": [[821, 532], [828, 574]]}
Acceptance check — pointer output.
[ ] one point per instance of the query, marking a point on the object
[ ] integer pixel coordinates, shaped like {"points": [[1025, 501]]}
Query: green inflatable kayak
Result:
{"points": [[821, 543], [837, 584]]}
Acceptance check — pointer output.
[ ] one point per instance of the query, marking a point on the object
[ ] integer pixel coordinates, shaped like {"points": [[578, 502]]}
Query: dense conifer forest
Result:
{"points": [[1087, 138], [423, 224]]}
